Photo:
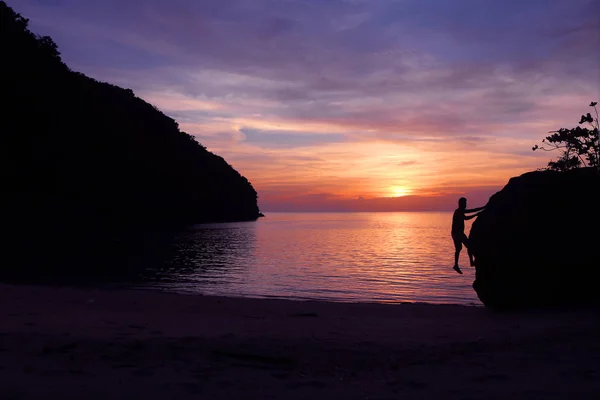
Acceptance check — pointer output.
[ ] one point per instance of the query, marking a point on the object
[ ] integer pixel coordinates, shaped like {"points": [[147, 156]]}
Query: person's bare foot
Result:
{"points": [[457, 269]]}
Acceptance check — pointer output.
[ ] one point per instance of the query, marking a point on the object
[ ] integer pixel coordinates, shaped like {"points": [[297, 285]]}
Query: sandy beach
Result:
{"points": [[68, 343]]}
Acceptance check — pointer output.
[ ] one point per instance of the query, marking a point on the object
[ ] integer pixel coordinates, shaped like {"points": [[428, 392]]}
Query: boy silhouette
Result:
{"points": [[458, 230]]}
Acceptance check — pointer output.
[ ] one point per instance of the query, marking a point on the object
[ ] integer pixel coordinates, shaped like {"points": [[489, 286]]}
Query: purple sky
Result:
{"points": [[322, 102]]}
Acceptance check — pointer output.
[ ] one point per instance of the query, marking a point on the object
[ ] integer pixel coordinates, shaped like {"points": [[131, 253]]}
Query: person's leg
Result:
{"points": [[465, 241], [458, 247]]}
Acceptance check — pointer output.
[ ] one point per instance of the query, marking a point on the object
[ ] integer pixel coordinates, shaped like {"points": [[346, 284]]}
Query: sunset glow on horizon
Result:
{"points": [[399, 191], [347, 105]]}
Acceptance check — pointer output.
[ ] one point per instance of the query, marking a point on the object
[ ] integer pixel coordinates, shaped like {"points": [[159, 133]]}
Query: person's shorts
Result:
{"points": [[459, 240]]}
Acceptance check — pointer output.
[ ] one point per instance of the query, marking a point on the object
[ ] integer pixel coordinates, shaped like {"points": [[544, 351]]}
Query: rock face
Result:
{"points": [[537, 242]]}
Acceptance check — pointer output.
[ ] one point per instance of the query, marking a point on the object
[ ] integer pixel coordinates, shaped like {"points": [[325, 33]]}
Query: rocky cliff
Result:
{"points": [[537, 242], [83, 160]]}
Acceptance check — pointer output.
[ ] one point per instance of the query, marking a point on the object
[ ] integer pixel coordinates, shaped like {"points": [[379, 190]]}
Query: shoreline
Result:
{"points": [[292, 299], [103, 286], [105, 343]]}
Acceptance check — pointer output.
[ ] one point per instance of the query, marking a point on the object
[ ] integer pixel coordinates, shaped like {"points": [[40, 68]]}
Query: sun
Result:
{"points": [[399, 191]]}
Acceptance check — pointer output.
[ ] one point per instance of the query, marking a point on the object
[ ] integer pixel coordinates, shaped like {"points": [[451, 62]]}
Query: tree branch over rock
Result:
{"points": [[578, 146]]}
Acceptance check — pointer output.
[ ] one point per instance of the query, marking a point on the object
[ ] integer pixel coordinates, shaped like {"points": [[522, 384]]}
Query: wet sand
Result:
{"points": [[67, 343]]}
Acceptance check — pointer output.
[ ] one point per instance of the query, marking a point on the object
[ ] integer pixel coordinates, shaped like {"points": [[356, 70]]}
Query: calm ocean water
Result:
{"points": [[372, 257]]}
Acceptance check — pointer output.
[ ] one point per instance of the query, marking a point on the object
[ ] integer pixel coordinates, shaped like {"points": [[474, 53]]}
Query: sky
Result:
{"points": [[348, 105]]}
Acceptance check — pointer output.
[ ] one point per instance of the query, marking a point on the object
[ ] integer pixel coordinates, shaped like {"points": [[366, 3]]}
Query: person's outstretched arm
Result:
{"points": [[472, 210], [473, 216]]}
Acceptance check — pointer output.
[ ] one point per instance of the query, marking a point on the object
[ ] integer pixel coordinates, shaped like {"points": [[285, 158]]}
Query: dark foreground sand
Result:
{"points": [[65, 343]]}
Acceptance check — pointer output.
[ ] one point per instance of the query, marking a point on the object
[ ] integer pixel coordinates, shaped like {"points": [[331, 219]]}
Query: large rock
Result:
{"points": [[537, 242]]}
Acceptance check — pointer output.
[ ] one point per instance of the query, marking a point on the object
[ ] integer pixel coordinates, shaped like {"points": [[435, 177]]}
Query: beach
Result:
{"points": [[76, 343]]}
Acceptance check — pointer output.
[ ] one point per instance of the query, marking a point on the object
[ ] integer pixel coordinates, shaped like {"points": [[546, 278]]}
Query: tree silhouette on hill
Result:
{"points": [[578, 147]]}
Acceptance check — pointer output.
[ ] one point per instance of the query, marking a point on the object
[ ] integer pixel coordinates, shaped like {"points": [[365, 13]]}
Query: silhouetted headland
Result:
{"points": [[84, 163], [536, 243]]}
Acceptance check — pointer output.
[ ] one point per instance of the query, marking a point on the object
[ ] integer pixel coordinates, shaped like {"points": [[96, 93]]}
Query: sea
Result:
{"points": [[379, 257]]}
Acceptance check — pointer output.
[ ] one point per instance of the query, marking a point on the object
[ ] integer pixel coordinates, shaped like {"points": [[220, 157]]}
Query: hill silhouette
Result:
{"points": [[78, 155]]}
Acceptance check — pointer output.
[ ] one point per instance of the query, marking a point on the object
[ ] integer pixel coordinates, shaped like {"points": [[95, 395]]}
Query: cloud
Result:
{"points": [[407, 163], [274, 139]]}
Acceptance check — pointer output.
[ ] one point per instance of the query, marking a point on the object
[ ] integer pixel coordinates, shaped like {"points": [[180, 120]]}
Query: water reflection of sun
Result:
{"points": [[399, 191]]}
